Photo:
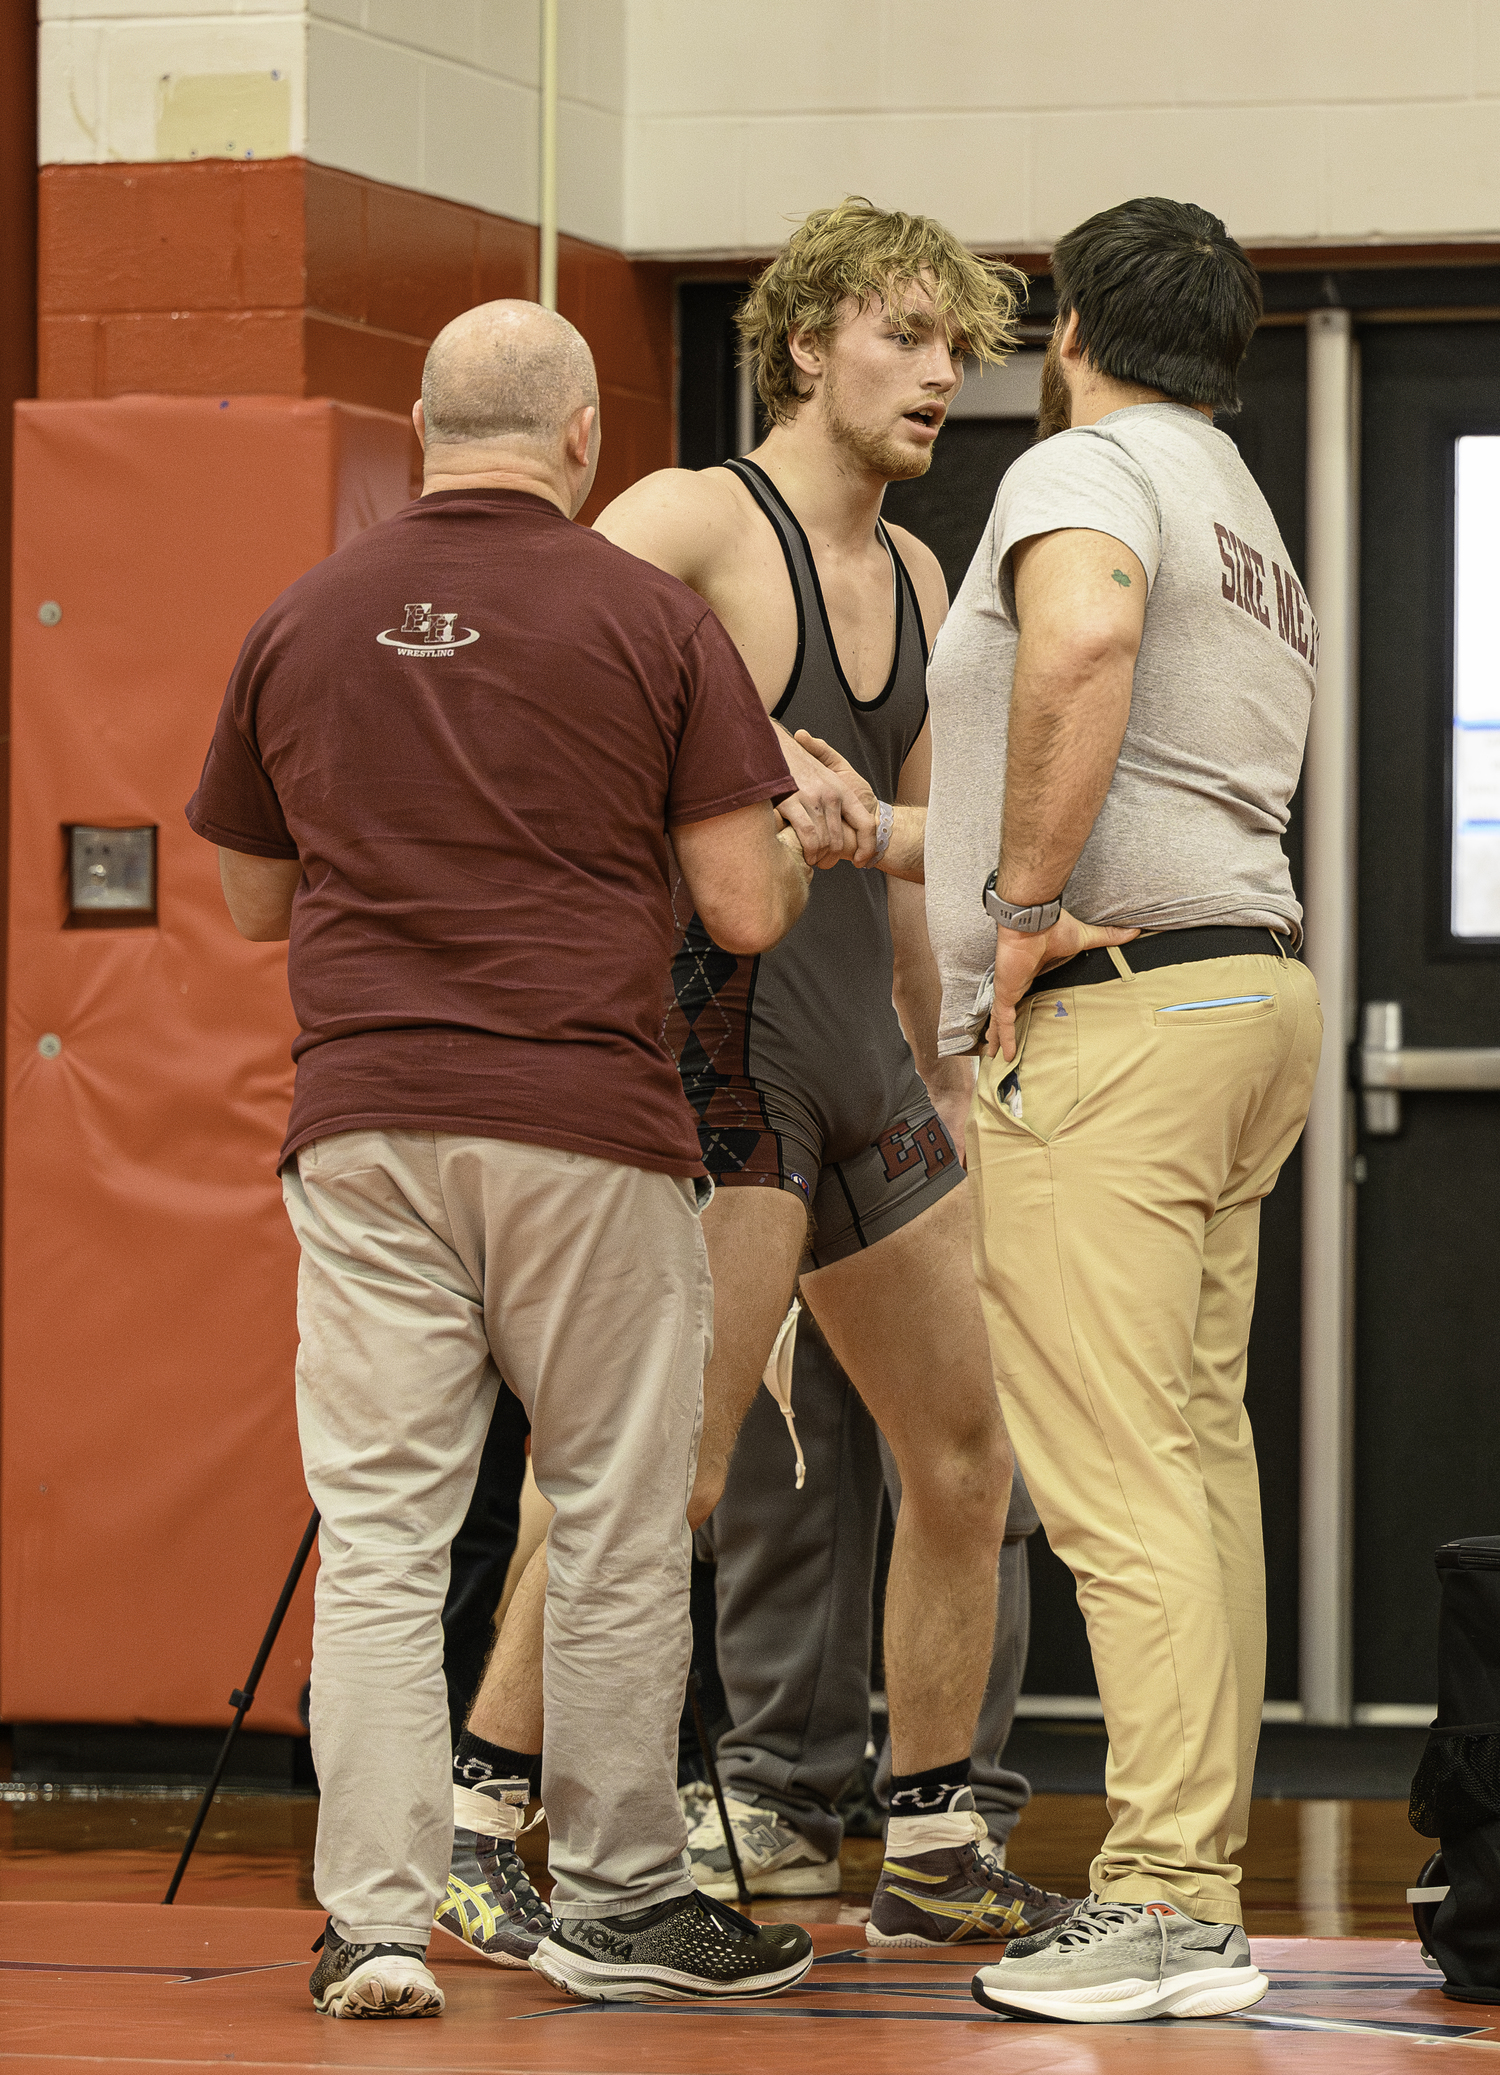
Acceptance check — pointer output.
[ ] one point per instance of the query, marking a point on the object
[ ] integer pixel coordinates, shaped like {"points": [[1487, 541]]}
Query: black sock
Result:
{"points": [[927, 1793], [475, 1761]]}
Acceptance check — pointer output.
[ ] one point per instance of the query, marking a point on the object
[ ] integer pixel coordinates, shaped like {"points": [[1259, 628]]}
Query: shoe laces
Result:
{"points": [[505, 1872], [739, 1927], [695, 1797], [1092, 1921], [1001, 1877], [744, 1816]]}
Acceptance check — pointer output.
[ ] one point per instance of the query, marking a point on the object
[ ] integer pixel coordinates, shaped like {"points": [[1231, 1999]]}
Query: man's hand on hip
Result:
{"points": [[1018, 960]]}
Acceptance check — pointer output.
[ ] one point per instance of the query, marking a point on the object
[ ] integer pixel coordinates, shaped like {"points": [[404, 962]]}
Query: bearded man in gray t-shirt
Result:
{"points": [[1120, 700]]}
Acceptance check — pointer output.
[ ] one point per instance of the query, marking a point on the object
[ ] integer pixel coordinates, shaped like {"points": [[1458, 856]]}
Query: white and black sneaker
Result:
{"points": [[775, 1858], [372, 1980], [489, 1904], [689, 1948], [1122, 1962]]}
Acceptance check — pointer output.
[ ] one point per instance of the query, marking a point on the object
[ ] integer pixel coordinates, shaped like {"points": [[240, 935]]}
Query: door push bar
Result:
{"points": [[1384, 1069]]}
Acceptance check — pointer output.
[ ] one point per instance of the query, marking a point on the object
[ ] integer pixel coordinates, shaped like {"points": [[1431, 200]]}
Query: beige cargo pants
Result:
{"points": [[1117, 1174], [433, 1265]]}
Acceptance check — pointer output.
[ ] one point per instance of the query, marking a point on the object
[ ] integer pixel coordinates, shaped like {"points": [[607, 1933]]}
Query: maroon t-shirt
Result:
{"points": [[474, 725]]}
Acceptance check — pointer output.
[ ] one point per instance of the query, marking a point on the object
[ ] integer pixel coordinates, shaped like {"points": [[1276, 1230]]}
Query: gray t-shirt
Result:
{"points": [[1190, 832]]}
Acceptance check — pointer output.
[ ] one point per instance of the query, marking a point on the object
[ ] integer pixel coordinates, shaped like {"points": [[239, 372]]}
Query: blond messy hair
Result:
{"points": [[856, 252]]}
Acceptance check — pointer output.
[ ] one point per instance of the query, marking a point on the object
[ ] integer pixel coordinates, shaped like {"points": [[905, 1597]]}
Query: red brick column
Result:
{"points": [[219, 277]]}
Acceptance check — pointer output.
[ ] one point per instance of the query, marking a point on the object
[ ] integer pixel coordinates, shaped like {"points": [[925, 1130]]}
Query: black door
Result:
{"points": [[1427, 1406]]}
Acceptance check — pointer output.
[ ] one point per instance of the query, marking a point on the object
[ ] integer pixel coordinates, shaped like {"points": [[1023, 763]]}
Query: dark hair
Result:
{"points": [[1164, 295]]}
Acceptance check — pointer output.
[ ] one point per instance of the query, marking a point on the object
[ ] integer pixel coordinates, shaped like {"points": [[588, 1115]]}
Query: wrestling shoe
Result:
{"points": [[372, 1980], [1117, 1963], [490, 1904], [682, 1950], [775, 1858], [939, 1886]]}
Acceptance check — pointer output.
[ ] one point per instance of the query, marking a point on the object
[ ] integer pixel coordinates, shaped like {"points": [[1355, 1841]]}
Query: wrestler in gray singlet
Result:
{"points": [[801, 1078], [794, 1061]]}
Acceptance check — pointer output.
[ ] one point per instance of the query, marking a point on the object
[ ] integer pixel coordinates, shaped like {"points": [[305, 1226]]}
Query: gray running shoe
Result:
{"points": [[693, 1799], [1120, 1962], [775, 1857], [684, 1950], [490, 1905], [372, 1980], [954, 1891]]}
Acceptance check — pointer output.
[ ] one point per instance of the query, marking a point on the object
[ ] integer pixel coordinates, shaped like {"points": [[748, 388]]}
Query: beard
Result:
{"points": [[1055, 413], [880, 452]]}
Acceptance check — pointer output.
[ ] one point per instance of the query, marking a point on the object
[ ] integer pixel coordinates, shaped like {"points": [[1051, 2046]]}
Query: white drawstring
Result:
{"points": [[778, 1381]]}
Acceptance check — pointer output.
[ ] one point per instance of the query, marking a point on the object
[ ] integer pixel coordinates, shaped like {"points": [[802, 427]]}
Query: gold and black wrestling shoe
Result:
{"points": [[490, 1905], [939, 1886]]}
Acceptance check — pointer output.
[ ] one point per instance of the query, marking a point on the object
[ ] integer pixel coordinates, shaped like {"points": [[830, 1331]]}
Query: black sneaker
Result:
{"points": [[939, 1886], [372, 1980], [689, 1947], [490, 1905]]}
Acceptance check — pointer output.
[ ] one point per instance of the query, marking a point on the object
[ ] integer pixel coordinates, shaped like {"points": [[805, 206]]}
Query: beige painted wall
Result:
{"points": [[705, 126], [1296, 120]]}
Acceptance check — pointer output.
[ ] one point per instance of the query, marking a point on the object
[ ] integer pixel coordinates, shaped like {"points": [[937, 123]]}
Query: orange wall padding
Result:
{"points": [[151, 1494]]}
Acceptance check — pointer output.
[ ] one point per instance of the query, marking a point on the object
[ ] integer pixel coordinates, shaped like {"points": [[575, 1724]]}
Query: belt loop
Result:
{"points": [[1118, 962], [1281, 936]]}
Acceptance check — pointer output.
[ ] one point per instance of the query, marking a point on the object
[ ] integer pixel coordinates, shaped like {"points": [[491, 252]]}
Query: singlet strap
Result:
{"points": [[904, 581], [766, 495], [808, 591]]}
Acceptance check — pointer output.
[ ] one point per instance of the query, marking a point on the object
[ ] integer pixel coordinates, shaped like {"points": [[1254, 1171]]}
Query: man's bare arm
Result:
{"points": [[917, 991], [1080, 607], [917, 988], [689, 523], [748, 882], [258, 893]]}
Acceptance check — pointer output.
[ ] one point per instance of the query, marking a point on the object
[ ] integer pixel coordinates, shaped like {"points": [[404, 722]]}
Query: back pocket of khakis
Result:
{"points": [[1212, 1012]]}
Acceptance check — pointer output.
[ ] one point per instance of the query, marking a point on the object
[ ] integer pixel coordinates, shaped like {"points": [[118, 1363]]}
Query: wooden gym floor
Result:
{"points": [[96, 1975]]}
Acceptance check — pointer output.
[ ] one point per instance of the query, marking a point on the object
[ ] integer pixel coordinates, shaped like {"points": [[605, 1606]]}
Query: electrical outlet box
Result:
{"points": [[111, 876]]}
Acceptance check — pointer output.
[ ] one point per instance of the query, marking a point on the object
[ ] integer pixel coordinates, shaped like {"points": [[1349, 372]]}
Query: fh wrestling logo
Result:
{"points": [[427, 633]]}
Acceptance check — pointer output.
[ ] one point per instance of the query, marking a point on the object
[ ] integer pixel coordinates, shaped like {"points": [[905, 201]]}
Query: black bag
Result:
{"points": [[1455, 1795]]}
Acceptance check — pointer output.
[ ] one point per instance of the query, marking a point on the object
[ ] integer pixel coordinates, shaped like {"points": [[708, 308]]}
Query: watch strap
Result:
{"points": [[1030, 922]]}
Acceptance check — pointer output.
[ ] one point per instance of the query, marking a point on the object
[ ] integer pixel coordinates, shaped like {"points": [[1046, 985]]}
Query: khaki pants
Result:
{"points": [[433, 1265], [1117, 1225]]}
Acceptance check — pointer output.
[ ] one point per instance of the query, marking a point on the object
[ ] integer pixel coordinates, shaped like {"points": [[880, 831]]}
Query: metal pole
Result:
{"points": [[242, 1697], [1327, 1146], [744, 413], [710, 1766], [547, 165]]}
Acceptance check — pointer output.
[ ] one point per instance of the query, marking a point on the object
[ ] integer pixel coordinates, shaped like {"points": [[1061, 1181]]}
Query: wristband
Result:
{"points": [[885, 822]]}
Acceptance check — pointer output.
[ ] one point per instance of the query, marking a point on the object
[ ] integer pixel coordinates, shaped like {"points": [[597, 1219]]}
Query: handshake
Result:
{"points": [[834, 813]]}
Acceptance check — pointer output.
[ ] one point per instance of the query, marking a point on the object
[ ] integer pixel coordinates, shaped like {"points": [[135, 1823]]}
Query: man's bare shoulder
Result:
{"points": [[926, 573], [685, 520]]}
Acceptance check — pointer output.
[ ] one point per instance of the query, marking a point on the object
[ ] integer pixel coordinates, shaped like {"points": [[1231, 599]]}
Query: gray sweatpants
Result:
{"points": [[795, 1572], [432, 1263]]}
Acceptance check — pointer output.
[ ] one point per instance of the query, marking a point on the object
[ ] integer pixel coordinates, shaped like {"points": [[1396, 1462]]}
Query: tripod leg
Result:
{"points": [[240, 1701], [711, 1766]]}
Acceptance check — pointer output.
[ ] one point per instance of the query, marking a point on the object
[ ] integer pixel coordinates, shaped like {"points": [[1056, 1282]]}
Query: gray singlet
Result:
{"points": [[794, 1061]]}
